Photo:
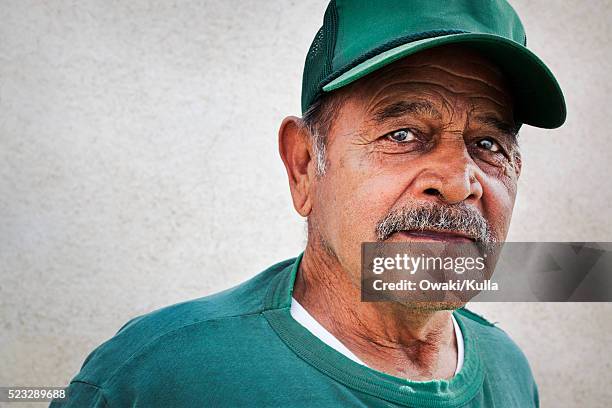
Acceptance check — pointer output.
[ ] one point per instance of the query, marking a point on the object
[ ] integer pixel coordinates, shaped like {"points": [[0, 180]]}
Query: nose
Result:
{"points": [[451, 177]]}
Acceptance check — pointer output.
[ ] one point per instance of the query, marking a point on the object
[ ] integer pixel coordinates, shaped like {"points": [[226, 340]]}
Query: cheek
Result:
{"points": [[363, 196], [498, 202], [354, 197]]}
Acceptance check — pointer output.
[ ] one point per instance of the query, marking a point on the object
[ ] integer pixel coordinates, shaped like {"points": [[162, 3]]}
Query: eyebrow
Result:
{"points": [[399, 109], [500, 125]]}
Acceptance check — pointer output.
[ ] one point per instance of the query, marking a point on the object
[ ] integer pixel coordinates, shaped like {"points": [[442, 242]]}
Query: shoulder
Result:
{"points": [[499, 353], [488, 335], [468, 314], [157, 336], [484, 331]]}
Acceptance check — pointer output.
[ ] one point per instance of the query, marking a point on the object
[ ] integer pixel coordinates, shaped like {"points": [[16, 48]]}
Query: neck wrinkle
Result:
{"points": [[377, 332]]}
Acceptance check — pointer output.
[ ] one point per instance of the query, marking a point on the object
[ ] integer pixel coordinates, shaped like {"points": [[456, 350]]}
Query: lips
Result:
{"points": [[432, 235]]}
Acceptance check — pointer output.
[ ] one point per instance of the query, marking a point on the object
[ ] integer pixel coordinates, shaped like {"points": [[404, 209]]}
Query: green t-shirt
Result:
{"points": [[242, 348]]}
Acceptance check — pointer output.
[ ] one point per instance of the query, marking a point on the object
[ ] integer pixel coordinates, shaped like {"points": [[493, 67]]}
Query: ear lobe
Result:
{"points": [[295, 151]]}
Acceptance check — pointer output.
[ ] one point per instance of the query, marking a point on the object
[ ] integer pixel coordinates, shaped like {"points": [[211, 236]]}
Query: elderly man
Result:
{"points": [[411, 113]]}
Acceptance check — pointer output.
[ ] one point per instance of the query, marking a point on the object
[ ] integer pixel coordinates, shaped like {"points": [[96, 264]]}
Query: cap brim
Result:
{"points": [[539, 101]]}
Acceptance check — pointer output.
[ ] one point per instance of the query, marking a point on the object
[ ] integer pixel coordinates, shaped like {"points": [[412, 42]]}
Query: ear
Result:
{"points": [[518, 164], [295, 150]]}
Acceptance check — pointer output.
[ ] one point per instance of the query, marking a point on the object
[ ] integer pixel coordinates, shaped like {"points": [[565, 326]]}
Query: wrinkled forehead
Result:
{"points": [[438, 73]]}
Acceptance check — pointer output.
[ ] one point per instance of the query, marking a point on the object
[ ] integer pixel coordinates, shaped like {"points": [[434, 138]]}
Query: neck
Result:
{"points": [[389, 336]]}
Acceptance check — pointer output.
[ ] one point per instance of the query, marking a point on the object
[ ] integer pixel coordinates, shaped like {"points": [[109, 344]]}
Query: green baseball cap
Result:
{"points": [[361, 36]]}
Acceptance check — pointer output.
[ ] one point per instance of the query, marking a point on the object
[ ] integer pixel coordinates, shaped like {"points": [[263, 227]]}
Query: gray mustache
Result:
{"points": [[433, 216]]}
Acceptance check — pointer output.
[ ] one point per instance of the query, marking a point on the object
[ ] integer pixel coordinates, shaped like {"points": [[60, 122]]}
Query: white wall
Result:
{"points": [[138, 168]]}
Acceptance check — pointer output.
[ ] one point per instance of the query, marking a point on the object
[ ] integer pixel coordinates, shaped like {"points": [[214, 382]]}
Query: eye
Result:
{"points": [[489, 144], [402, 136]]}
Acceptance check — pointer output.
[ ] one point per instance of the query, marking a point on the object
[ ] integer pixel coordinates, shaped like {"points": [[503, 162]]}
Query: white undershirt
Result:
{"points": [[304, 318]]}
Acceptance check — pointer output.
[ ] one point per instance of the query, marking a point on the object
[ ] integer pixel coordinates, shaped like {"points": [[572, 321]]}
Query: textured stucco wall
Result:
{"points": [[138, 168]]}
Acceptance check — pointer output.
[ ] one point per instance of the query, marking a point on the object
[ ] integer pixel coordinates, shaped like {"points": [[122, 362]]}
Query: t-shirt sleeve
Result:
{"points": [[81, 394]]}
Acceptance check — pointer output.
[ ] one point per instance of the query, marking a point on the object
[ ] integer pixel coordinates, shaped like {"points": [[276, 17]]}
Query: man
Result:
{"points": [[411, 113]]}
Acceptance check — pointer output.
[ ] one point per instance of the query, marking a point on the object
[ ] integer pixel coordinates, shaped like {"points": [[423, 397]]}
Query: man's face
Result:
{"points": [[434, 130]]}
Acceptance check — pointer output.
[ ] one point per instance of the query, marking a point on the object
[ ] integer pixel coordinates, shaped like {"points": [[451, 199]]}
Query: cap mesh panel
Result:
{"points": [[318, 63]]}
